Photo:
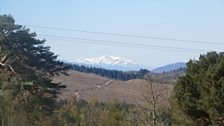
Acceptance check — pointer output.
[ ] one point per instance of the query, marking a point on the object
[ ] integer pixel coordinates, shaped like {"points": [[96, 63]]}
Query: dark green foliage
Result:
{"points": [[113, 74], [93, 113], [166, 77], [114, 113], [26, 71], [200, 93]]}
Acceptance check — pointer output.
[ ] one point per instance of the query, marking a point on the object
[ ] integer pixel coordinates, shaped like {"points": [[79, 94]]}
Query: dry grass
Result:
{"points": [[91, 86]]}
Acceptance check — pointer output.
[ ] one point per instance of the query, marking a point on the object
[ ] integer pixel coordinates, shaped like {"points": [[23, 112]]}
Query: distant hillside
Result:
{"points": [[169, 67], [112, 74], [91, 86], [165, 77]]}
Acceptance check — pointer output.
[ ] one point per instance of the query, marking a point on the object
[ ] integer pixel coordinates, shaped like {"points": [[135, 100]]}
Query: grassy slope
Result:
{"points": [[131, 91]]}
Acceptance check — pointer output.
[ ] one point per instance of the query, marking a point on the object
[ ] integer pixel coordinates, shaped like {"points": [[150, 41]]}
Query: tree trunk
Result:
{"points": [[154, 114]]}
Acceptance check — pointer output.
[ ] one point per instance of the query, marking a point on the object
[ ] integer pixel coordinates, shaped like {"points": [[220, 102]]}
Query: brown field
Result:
{"points": [[90, 87]]}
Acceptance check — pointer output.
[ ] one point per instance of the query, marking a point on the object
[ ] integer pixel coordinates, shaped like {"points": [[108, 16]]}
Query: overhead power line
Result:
{"points": [[106, 42], [128, 35], [125, 43], [122, 45]]}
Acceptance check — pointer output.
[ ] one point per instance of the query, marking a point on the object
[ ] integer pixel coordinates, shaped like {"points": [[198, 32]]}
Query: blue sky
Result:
{"points": [[181, 19]]}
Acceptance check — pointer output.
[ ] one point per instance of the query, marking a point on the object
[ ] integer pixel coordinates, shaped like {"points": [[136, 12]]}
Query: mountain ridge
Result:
{"points": [[169, 67], [124, 64], [110, 63]]}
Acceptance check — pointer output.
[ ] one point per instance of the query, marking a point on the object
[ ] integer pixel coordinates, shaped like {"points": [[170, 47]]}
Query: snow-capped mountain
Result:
{"points": [[123, 64], [169, 67], [110, 62]]}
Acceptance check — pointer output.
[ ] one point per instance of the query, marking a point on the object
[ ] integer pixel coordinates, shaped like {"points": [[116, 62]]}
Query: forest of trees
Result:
{"points": [[113, 74], [165, 77], [29, 96]]}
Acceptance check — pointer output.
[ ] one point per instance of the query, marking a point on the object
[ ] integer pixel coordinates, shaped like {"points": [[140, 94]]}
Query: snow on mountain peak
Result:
{"points": [[110, 62]]}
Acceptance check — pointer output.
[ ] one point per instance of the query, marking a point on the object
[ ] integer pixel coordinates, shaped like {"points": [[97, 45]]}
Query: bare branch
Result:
{"points": [[2, 64], [9, 67], [3, 59]]}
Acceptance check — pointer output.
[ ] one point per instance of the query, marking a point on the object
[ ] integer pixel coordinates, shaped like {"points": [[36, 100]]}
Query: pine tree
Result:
{"points": [[26, 71], [200, 93]]}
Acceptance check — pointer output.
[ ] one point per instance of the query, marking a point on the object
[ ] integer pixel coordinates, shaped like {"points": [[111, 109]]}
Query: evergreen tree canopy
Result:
{"points": [[200, 93], [27, 68]]}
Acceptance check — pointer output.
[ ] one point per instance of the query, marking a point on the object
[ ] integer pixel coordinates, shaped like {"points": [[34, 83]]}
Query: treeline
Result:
{"points": [[165, 77], [70, 112], [113, 74]]}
